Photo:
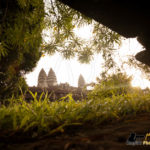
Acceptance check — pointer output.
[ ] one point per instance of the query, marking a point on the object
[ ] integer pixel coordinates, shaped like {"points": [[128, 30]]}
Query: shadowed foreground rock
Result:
{"points": [[130, 18], [111, 136]]}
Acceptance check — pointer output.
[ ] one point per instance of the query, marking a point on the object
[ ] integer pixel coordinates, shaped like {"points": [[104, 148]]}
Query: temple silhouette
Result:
{"points": [[50, 80], [48, 83]]}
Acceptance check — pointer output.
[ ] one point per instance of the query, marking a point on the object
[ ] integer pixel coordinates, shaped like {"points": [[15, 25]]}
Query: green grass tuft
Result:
{"points": [[45, 117]]}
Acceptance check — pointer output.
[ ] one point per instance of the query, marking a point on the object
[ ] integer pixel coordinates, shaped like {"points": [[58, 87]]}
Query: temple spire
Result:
{"points": [[51, 79], [81, 82], [42, 79]]}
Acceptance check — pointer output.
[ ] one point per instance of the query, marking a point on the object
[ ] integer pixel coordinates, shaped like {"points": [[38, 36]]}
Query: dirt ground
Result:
{"points": [[109, 136]]}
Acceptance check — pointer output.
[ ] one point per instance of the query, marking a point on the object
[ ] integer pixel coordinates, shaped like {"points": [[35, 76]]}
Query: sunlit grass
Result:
{"points": [[45, 117]]}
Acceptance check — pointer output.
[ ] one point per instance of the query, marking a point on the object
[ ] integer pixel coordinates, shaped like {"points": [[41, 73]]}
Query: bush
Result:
{"points": [[116, 84], [20, 39]]}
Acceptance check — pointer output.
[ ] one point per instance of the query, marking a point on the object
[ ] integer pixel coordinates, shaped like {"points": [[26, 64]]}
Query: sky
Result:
{"points": [[69, 70]]}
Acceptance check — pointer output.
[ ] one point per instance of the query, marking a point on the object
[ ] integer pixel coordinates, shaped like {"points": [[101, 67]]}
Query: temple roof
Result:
{"points": [[42, 73], [52, 80], [51, 73], [81, 81]]}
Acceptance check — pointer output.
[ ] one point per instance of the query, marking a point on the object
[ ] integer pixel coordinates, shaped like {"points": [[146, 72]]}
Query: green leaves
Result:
{"points": [[62, 20], [68, 53], [3, 51], [20, 39], [22, 3], [25, 3], [85, 56], [24, 121], [116, 84], [44, 117]]}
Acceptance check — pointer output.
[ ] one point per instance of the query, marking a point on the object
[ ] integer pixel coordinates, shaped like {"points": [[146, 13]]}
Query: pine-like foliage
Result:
{"points": [[62, 20], [20, 39]]}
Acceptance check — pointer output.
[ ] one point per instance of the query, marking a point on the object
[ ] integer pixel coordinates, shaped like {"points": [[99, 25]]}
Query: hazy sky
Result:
{"points": [[69, 70], [66, 70]]}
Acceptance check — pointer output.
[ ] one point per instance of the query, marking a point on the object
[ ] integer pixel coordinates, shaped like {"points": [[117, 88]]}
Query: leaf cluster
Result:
{"points": [[115, 84], [42, 117], [62, 20], [20, 39]]}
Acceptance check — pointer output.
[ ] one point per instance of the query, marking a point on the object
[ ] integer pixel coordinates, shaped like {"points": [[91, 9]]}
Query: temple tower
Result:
{"points": [[42, 79], [51, 79], [81, 82]]}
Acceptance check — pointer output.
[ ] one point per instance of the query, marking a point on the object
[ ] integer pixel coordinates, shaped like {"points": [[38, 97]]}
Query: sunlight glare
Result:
{"points": [[69, 71], [84, 32], [139, 82], [66, 70]]}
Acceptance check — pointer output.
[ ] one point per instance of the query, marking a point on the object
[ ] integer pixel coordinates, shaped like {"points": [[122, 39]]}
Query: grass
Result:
{"points": [[44, 117]]}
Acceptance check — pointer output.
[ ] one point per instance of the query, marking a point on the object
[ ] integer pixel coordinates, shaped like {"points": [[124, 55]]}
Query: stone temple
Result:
{"points": [[51, 79], [81, 82], [42, 79], [45, 81]]}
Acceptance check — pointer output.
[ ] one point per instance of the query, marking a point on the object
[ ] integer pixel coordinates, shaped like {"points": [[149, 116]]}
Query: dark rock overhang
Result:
{"points": [[130, 18]]}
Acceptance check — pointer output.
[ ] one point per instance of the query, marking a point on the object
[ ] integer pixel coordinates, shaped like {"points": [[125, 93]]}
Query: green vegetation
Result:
{"points": [[21, 43], [21, 24], [42, 117], [61, 20]]}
